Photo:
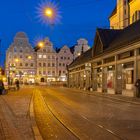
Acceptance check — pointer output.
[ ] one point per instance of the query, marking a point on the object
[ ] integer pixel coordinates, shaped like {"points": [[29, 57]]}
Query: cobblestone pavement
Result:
{"points": [[15, 122]]}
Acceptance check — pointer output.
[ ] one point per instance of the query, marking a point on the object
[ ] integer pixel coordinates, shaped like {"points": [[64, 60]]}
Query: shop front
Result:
{"points": [[128, 79], [111, 79], [99, 79]]}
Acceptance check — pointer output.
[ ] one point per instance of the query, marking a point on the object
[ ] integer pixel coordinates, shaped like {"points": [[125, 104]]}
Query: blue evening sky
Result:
{"points": [[80, 18]]}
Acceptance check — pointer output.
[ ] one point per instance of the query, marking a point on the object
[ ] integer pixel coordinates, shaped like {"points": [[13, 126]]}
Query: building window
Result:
{"points": [[44, 50], [49, 72], [39, 72], [53, 65], [20, 51], [63, 72], [39, 65], [32, 64], [60, 72], [61, 57], [53, 57], [39, 56], [20, 64], [44, 72], [20, 56], [44, 56], [26, 64], [64, 64], [68, 58], [49, 64], [15, 50], [136, 16], [44, 64]]}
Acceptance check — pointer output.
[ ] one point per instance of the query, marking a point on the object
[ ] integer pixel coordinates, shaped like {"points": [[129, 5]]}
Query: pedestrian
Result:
{"points": [[1, 87], [137, 85], [17, 84]]}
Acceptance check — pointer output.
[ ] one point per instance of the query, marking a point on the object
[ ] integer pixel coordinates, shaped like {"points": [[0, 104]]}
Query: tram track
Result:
{"points": [[85, 118], [56, 122]]}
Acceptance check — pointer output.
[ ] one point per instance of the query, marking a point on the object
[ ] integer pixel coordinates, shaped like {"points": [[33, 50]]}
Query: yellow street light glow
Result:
{"points": [[16, 60], [79, 54], [29, 57], [49, 12], [41, 44]]}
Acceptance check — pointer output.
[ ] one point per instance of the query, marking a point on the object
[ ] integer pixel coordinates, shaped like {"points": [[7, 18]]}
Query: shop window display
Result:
{"points": [[99, 78], [128, 79], [110, 79]]}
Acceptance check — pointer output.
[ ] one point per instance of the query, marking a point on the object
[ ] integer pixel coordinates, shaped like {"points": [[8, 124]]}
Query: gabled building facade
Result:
{"points": [[81, 47], [46, 63], [21, 60], [64, 58]]}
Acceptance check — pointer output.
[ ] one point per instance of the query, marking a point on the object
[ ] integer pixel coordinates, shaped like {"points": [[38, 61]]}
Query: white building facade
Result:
{"points": [[81, 47], [42, 64], [46, 63], [21, 60], [64, 58]]}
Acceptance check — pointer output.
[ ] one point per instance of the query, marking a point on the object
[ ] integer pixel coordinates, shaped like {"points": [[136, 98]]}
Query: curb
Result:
{"points": [[103, 95], [35, 128]]}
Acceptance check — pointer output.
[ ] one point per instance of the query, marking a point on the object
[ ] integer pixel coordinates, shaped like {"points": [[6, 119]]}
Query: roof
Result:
{"points": [[21, 35], [107, 35], [111, 40], [86, 56], [126, 36]]}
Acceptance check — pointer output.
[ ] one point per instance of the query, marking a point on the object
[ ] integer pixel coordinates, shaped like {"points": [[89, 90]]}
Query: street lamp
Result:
{"points": [[29, 57], [40, 44], [49, 12], [16, 60]]}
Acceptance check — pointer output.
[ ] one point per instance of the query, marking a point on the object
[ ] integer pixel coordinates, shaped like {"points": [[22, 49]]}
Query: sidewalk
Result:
{"points": [[15, 123], [119, 97]]}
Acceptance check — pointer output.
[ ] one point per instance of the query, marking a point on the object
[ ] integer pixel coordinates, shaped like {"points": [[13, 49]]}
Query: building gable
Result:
{"points": [[98, 46]]}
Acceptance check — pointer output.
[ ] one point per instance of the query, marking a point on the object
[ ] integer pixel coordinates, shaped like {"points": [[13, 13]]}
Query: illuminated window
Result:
{"points": [[32, 64], [44, 56], [39, 56], [136, 16]]}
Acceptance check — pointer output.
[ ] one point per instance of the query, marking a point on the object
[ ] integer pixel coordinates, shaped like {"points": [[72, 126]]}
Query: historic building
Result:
{"points": [[46, 63], [64, 58], [43, 64], [21, 60], [112, 65], [81, 47], [125, 13]]}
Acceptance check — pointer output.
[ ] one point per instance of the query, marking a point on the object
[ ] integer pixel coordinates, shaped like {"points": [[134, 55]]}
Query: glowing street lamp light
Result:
{"points": [[16, 60], [49, 12], [29, 57], [41, 44]]}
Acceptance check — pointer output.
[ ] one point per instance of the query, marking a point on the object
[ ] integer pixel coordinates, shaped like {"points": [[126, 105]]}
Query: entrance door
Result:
{"points": [[119, 79], [42, 80]]}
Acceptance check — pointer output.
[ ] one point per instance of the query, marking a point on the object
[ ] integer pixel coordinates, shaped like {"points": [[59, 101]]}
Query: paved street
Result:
{"points": [[68, 114], [92, 117]]}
